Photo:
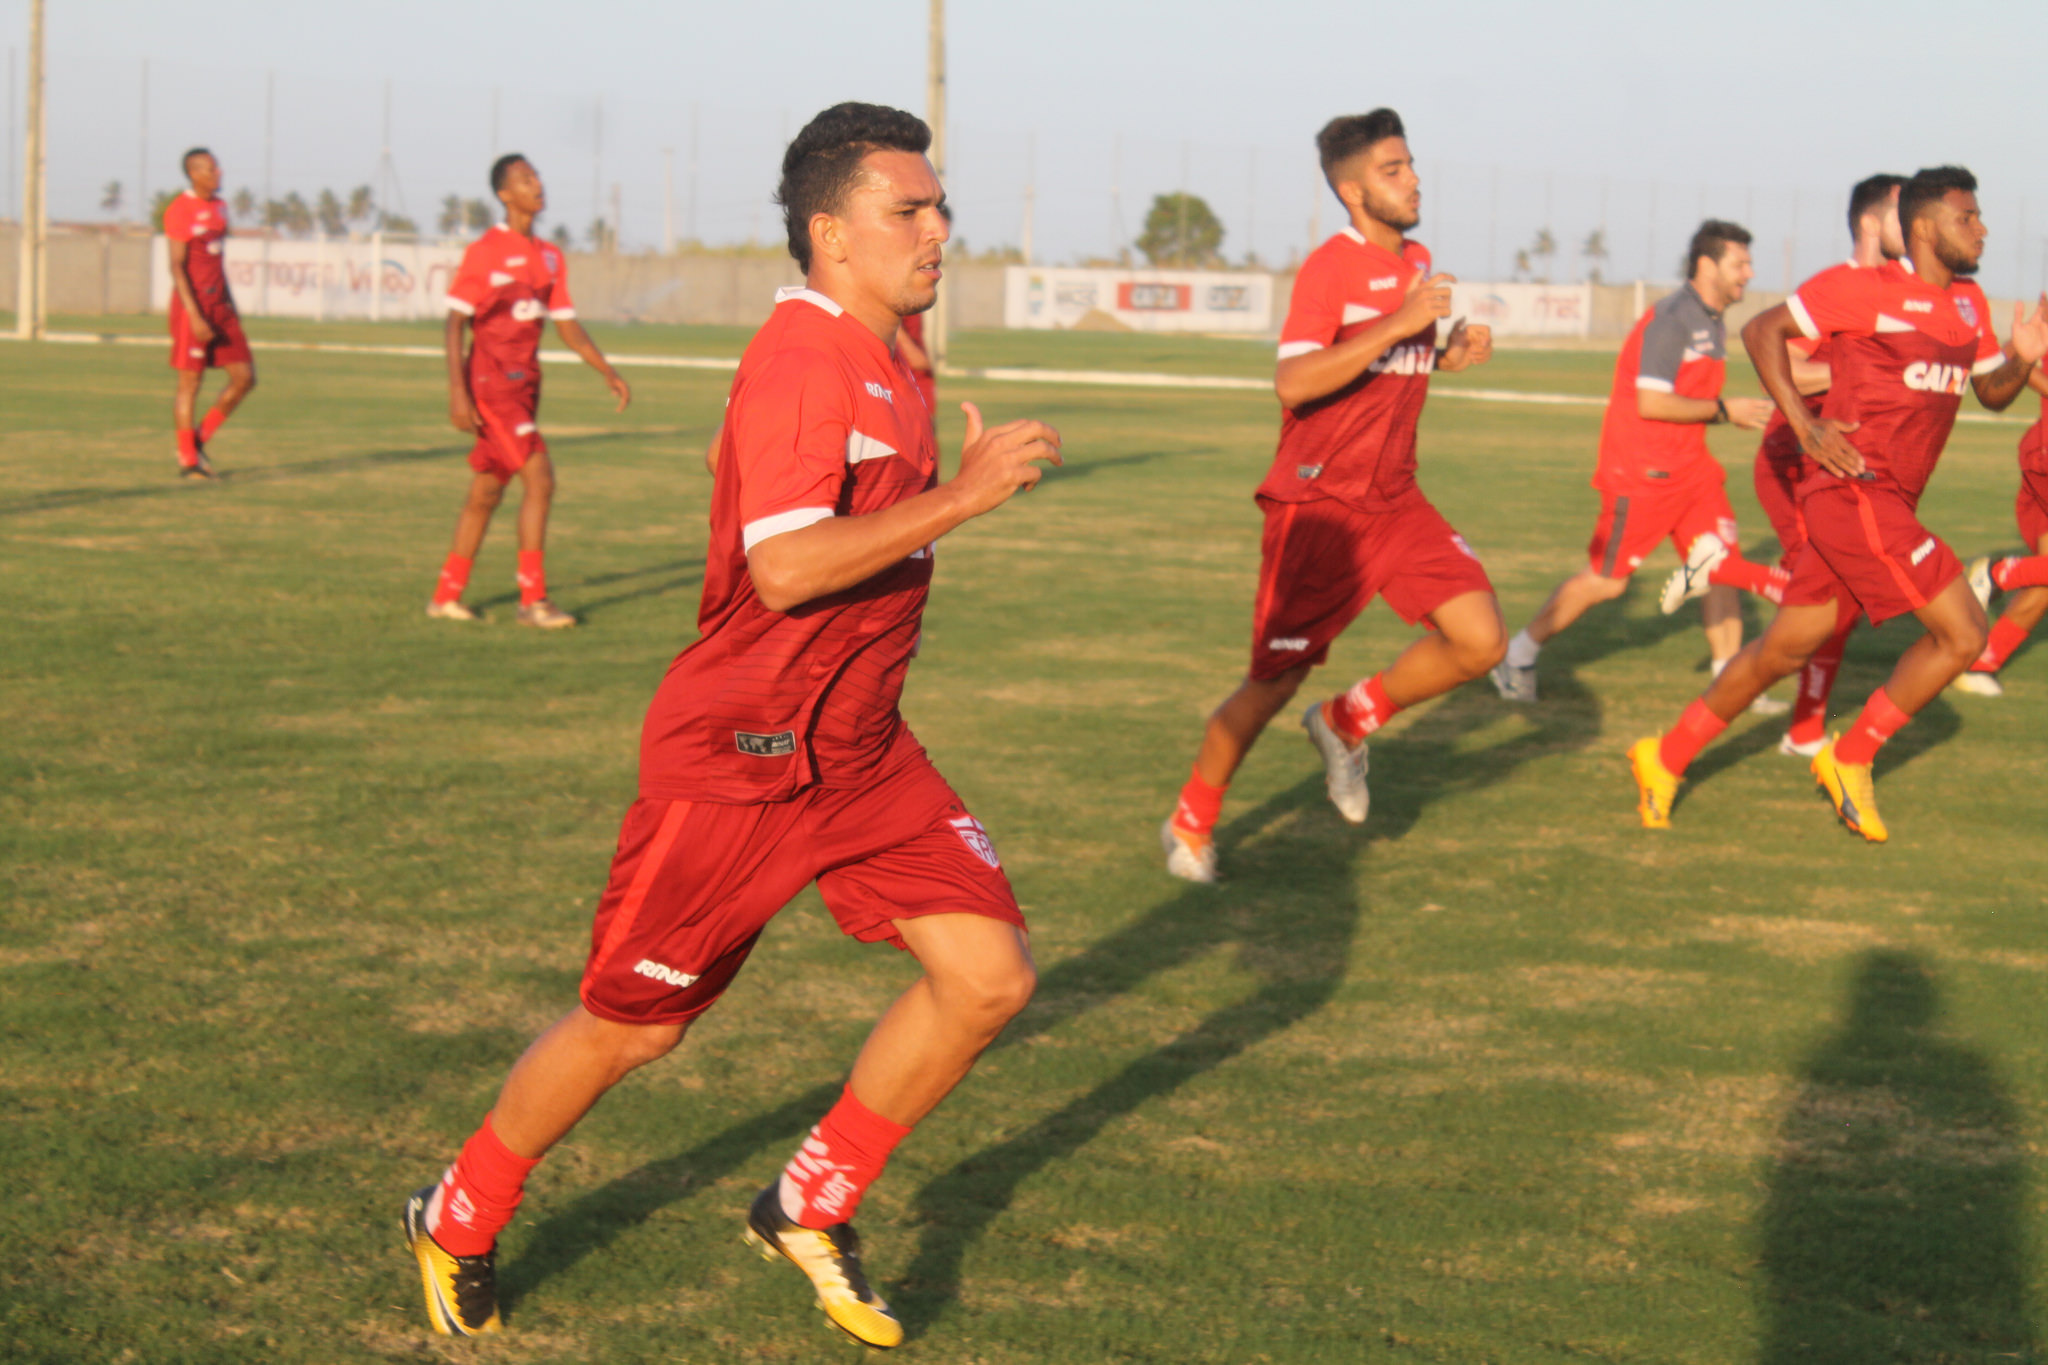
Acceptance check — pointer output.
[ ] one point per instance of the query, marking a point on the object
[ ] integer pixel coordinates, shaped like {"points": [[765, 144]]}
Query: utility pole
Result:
{"points": [[1117, 236], [495, 91], [692, 219], [668, 201], [13, 139], [1251, 208], [29, 299], [611, 241], [142, 143], [597, 171], [935, 115], [1030, 195]]}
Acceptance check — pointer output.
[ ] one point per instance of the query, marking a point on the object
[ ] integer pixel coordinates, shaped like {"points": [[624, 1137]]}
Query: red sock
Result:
{"points": [[2020, 571], [188, 448], [479, 1194], [1695, 730], [533, 580], [1880, 720], [1362, 710], [2006, 636], [1816, 684], [825, 1180], [215, 418], [454, 578], [1764, 580], [1199, 806]]}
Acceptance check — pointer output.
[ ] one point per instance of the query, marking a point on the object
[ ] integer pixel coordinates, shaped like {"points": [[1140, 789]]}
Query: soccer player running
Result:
{"points": [[1344, 517], [1781, 466], [1656, 477], [1903, 339], [2024, 576], [774, 754], [509, 284], [206, 328]]}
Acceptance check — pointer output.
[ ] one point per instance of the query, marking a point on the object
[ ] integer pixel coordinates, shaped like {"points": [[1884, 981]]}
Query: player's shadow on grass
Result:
{"points": [[676, 573], [1893, 1230], [172, 486], [1290, 907]]}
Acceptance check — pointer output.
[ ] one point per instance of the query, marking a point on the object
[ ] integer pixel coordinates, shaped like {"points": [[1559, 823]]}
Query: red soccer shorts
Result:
{"points": [[1321, 562], [510, 434], [1869, 544], [1631, 524], [228, 346], [2031, 507], [694, 882], [1780, 468]]}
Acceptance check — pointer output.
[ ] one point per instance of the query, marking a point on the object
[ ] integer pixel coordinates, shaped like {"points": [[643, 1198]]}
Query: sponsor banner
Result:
{"points": [[1144, 300], [373, 278], [1526, 310]]}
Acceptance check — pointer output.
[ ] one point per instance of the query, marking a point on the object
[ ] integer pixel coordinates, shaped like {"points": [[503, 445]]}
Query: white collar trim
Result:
{"points": [[812, 296], [1353, 233]]}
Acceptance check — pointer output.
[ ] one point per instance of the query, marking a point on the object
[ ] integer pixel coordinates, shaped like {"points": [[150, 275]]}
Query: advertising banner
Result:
{"points": [[1143, 300], [375, 278], [1526, 310]]}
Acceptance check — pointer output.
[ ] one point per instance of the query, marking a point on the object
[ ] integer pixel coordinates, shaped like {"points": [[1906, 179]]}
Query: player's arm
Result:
{"points": [[202, 330], [2023, 350], [835, 553], [2038, 381], [1465, 347], [461, 405], [1304, 378], [1768, 338], [1810, 376], [576, 339], [1658, 362], [711, 451]]}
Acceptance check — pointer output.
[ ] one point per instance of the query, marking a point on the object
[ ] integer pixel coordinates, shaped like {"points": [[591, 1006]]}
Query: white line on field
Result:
{"points": [[1119, 379]]}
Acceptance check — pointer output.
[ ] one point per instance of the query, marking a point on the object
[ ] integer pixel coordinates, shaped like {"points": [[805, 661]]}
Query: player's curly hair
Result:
{"points": [[1870, 194], [822, 164], [1926, 189], [1711, 241], [1347, 135], [502, 168]]}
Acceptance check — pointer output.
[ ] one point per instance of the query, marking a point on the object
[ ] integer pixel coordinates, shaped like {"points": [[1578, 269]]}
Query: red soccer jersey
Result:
{"points": [[510, 286], [823, 420], [1902, 351], [1680, 347], [202, 224], [1356, 445]]}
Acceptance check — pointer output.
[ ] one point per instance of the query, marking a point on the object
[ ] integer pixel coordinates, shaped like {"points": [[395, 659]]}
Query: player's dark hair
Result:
{"points": [[185, 161], [1711, 241], [1347, 135], [821, 166], [1926, 189], [1870, 195], [502, 167]]}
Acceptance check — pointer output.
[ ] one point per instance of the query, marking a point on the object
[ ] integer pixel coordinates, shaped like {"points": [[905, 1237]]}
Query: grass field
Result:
{"points": [[292, 874]]}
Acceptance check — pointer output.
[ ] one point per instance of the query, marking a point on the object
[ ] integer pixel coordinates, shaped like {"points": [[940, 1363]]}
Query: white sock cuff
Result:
{"points": [[1522, 650]]}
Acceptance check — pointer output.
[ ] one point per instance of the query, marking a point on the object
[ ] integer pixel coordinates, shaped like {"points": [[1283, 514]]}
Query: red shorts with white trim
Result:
{"points": [[694, 882], [1632, 524], [1322, 562], [1868, 544], [510, 434], [227, 346]]}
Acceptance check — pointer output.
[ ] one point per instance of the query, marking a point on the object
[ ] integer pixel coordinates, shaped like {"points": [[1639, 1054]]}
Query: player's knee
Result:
{"points": [[636, 1045], [1603, 588], [992, 994], [245, 383], [1481, 650]]}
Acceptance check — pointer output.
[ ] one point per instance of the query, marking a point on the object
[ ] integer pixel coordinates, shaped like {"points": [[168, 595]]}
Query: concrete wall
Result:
{"points": [[89, 272]]}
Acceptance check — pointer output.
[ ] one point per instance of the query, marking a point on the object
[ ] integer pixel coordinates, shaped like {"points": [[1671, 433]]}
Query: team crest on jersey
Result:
{"points": [[976, 838], [1308, 471], [1968, 309], [766, 746], [551, 258]]}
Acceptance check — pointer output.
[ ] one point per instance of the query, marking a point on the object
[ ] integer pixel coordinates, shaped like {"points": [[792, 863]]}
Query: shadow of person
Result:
{"points": [[1892, 1231]]}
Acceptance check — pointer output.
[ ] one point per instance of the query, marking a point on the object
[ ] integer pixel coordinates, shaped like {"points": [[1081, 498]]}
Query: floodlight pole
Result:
{"points": [[30, 288], [935, 115]]}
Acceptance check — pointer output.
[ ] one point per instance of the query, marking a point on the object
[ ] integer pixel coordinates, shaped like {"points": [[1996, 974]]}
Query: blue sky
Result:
{"points": [[1636, 117]]}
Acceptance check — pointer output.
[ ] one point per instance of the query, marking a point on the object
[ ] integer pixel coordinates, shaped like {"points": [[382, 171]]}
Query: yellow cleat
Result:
{"points": [[1848, 785], [830, 1259], [462, 1291], [1657, 785]]}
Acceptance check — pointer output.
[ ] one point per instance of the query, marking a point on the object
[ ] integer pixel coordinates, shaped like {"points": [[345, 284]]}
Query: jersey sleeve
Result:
{"points": [[1663, 351], [789, 433], [472, 283], [1990, 353], [560, 305], [1315, 311], [1834, 301]]}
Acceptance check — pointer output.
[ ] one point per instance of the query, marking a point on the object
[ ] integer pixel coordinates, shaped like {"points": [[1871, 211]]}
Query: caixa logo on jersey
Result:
{"points": [[1409, 358], [1931, 376], [528, 310], [976, 838]]}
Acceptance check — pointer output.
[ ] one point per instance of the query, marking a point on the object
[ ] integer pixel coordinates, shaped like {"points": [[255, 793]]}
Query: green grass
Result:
{"points": [[289, 875]]}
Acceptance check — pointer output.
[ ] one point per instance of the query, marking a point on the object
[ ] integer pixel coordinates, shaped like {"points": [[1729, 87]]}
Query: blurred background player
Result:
{"points": [[1781, 466], [1656, 477], [508, 286], [1345, 519], [2024, 576], [1904, 340], [775, 755], [206, 329]]}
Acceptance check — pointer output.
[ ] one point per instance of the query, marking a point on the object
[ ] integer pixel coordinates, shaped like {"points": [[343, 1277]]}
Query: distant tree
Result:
{"points": [[1544, 248], [110, 197], [397, 222], [362, 205], [1595, 252], [450, 221], [476, 215], [600, 235], [1181, 230], [289, 214], [244, 203], [560, 237], [1521, 264], [327, 213], [157, 204]]}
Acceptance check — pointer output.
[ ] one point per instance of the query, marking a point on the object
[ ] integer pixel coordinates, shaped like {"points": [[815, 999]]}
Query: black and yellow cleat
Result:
{"points": [[462, 1291], [831, 1260], [1848, 785]]}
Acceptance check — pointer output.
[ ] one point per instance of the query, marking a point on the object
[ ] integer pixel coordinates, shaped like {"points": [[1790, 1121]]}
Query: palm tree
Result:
{"points": [[450, 221], [362, 205], [1595, 251], [110, 197], [1543, 248]]}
